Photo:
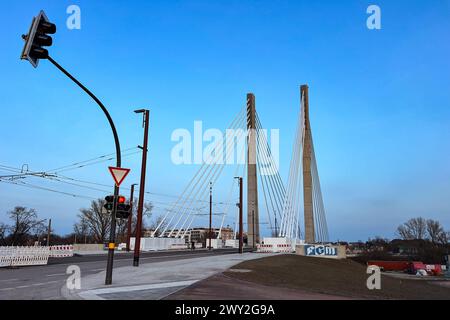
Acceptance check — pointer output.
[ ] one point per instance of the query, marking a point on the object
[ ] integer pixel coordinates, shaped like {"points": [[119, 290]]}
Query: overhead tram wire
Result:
{"points": [[25, 184], [90, 160], [61, 178]]}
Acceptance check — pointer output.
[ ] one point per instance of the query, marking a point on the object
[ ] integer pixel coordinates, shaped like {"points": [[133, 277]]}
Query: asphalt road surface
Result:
{"points": [[45, 282]]}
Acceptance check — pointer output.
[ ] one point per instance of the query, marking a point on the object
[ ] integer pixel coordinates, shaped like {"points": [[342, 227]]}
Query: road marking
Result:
{"points": [[193, 255], [5, 289], [94, 294], [55, 274], [44, 283], [21, 287], [8, 280], [30, 285]]}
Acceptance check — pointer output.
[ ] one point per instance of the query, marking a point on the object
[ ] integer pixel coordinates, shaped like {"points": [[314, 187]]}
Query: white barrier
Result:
{"points": [[155, 244], [274, 248], [284, 248], [61, 251], [232, 243], [23, 256], [178, 246], [265, 248]]}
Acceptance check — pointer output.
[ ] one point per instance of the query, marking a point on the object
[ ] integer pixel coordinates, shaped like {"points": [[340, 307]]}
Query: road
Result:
{"points": [[45, 282]]}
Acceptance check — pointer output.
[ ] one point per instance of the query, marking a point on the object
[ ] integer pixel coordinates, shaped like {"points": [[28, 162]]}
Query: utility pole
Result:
{"points": [[49, 230], [241, 223], [137, 242], [210, 215], [130, 218]]}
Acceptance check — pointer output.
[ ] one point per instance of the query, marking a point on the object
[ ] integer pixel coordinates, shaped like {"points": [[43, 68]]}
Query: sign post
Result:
{"points": [[118, 175]]}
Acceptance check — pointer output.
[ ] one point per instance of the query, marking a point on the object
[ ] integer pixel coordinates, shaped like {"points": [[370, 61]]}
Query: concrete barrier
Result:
{"points": [[87, 247]]}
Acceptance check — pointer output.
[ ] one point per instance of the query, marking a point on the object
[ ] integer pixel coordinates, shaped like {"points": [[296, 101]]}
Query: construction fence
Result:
{"points": [[32, 256]]}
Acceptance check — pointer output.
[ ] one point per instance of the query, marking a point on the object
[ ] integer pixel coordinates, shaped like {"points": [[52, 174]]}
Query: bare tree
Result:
{"points": [[25, 222], [436, 232], [82, 230], [413, 229], [97, 219], [3, 229]]}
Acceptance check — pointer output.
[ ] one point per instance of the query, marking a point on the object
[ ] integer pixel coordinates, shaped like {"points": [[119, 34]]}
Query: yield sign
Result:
{"points": [[118, 174]]}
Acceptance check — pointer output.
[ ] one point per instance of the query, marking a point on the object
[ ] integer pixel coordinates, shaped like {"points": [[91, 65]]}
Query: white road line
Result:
{"points": [[90, 294], [8, 280], [201, 255], [44, 283], [55, 274], [30, 285]]}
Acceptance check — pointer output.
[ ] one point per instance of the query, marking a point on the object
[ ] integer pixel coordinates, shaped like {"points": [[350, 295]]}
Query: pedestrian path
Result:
{"points": [[154, 280]]}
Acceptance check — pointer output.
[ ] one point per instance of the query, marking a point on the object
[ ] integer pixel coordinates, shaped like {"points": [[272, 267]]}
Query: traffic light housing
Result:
{"points": [[109, 203], [123, 210], [37, 38]]}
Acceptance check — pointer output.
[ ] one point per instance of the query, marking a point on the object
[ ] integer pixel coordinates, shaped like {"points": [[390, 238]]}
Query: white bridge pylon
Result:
{"points": [[303, 188]]}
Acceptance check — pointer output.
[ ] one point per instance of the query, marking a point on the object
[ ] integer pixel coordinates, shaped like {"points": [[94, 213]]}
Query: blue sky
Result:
{"points": [[380, 99]]}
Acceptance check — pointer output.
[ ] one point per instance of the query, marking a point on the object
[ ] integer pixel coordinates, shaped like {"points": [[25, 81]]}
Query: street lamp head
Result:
{"points": [[140, 111]]}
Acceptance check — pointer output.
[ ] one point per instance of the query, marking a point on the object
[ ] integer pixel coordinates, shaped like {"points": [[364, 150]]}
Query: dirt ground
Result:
{"points": [[294, 277]]}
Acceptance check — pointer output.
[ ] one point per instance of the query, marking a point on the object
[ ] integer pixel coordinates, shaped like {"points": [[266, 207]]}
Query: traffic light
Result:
{"points": [[121, 199], [37, 38], [123, 210], [109, 203]]}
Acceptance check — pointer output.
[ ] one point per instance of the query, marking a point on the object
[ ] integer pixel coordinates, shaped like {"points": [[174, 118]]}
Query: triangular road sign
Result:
{"points": [[118, 174]]}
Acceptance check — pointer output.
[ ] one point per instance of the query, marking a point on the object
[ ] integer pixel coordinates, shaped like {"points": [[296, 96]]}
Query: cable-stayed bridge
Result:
{"points": [[295, 209]]}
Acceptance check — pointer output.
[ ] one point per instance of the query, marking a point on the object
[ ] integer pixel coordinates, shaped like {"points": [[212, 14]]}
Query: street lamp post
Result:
{"points": [[137, 242], [112, 234], [130, 218]]}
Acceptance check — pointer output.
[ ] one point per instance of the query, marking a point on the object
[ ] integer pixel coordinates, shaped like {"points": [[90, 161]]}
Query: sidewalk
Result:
{"points": [[155, 280]]}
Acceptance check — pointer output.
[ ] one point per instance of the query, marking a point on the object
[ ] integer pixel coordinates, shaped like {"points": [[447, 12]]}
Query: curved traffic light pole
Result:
{"points": [[112, 234]]}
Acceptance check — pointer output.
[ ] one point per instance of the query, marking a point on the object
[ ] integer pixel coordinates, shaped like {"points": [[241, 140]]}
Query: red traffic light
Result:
{"points": [[121, 199]]}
